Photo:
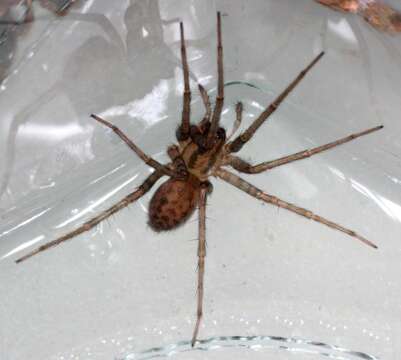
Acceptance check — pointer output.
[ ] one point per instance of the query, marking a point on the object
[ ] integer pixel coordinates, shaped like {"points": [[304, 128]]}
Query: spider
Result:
{"points": [[204, 151]]}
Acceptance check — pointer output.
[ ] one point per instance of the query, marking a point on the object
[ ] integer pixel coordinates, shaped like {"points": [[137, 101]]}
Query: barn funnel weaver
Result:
{"points": [[204, 151]]}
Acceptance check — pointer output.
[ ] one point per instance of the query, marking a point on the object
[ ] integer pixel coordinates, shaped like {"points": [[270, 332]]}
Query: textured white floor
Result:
{"points": [[122, 288]]}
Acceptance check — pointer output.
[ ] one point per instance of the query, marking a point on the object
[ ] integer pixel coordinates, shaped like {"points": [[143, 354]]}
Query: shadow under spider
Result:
{"points": [[204, 151]]}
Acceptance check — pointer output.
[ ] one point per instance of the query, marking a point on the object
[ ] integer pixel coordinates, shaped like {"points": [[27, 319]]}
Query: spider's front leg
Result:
{"points": [[214, 126], [244, 167], [146, 159], [237, 144], [205, 189], [182, 132]]}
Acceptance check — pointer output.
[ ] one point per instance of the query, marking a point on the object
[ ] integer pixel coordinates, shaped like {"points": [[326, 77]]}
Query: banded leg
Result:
{"points": [[242, 139], [243, 166], [220, 86], [259, 194], [183, 130], [201, 259], [142, 189], [147, 159]]}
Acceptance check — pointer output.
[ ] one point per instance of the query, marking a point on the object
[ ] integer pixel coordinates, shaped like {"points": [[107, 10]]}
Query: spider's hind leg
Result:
{"points": [[252, 190], [141, 190]]}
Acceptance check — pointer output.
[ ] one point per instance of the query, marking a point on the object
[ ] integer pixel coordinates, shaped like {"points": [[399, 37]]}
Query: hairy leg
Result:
{"points": [[183, 130], [142, 189], [220, 87], [201, 259], [242, 139], [259, 194], [147, 159], [243, 166]]}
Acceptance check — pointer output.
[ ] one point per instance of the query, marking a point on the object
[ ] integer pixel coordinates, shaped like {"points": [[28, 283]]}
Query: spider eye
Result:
{"points": [[205, 127]]}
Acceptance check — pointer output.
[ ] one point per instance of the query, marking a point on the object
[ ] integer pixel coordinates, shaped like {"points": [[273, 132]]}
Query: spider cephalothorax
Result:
{"points": [[176, 199], [204, 151]]}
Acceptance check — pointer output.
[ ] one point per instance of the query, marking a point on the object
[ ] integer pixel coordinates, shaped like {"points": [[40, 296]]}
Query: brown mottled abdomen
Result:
{"points": [[172, 203]]}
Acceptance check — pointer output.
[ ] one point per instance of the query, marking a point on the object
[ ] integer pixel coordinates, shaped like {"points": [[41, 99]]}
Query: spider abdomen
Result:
{"points": [[173, 203]]}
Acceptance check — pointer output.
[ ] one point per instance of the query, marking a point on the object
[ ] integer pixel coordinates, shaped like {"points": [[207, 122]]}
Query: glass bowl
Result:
{"points": [[276, 285]]}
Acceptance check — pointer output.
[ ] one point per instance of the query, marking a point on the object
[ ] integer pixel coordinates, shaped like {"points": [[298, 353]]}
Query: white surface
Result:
{"points": [[123, 288]]}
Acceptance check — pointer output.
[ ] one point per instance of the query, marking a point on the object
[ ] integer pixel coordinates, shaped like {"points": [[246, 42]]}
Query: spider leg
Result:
{"points": [[142, 189], [147, 159], [243, 166], [220, 86], [197, 132], [201, 259], [183, 131], [237, 123], [179, 165], [259, 194], [242, 139]]}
